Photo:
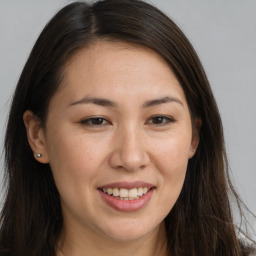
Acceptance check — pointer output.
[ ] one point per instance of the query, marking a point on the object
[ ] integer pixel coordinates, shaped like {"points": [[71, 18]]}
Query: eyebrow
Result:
{"points": [[97, 101], [108, 103], [168, 99]]}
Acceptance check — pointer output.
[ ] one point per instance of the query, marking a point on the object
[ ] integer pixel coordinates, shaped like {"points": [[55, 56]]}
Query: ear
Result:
{"points": [[195, 136], [36, 136]]}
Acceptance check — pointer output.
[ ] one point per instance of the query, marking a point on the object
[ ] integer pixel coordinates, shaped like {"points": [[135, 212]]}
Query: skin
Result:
{"points": [[128, 144]]}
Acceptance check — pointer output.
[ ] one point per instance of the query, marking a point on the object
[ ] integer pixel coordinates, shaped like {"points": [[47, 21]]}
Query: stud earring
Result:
{"points": [[39, 155]]}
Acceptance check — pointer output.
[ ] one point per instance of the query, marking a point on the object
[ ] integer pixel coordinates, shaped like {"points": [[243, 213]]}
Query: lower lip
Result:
{"points": [[127, 205]]}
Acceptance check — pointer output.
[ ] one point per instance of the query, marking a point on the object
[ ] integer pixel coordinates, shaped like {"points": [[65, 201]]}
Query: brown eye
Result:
{"points": [[95, 121], [160, 120]]}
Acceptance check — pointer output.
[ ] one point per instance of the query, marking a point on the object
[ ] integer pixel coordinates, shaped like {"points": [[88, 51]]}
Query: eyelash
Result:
{"points": [[89, 121], [101, 121], [157, 117]]}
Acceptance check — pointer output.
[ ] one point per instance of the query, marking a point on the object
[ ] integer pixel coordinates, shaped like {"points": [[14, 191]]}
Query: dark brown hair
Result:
{"points": [[201, 222]]}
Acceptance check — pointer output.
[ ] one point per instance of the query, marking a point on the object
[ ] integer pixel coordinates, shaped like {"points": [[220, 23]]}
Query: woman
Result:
{"points": [[114, 144]]}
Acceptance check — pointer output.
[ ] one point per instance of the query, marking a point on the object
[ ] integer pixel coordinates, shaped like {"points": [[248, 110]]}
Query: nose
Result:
{"points": [[130, 151]]}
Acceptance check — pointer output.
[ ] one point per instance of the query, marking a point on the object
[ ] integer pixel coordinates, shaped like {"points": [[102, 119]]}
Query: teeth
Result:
{"points": [[140, 191], [125, 194], [110, 191], [115, 192], [133, 192]]}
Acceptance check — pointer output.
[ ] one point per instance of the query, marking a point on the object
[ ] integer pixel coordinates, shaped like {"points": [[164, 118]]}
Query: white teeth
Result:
{"points": [[115, 192], [110, 191], [133, 192], [125, 194], [140, 191]]}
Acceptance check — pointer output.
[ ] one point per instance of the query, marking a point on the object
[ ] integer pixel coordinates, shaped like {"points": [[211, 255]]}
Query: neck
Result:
{"points": [[81, 245]]}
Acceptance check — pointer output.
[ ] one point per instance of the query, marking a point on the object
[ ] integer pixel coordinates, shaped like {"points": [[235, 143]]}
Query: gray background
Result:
{"points": [[223, 33]]}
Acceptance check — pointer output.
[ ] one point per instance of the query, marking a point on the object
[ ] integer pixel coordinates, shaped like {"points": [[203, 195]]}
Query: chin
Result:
{"points": [[130, 230]]}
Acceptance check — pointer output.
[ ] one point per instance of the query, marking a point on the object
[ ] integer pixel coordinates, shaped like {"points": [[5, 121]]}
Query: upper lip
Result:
{"points": [[128, 185]]}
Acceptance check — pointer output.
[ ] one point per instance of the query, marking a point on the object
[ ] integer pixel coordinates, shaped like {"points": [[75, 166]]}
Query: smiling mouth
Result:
{"points": [[126, 194]]}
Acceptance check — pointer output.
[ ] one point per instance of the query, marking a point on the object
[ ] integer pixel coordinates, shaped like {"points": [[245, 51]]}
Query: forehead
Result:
{"points": [[110, 68], [115, 56]]}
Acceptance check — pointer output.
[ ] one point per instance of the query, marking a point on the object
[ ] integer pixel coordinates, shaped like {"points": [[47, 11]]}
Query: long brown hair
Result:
{"points": [[201, 221]]}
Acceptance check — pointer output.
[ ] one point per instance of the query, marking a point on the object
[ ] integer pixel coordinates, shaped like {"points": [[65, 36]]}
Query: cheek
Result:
{"points": [[172, 154], [171, 160], [75, 163], [73, 159], [173, 164]]}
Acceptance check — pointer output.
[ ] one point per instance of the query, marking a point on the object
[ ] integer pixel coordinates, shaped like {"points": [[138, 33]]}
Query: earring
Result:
{"points": [[39, 155]]}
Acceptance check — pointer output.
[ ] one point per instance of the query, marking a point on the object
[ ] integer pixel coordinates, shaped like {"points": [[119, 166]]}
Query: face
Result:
{"points": [[118, 139]]}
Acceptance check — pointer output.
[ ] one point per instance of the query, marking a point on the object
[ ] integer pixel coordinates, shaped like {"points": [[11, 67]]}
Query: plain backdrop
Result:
{"points": [[223, 33]]}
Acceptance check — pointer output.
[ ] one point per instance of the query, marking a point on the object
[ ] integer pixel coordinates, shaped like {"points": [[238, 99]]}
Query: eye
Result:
{"points": [[160, 120], [95, 121]]}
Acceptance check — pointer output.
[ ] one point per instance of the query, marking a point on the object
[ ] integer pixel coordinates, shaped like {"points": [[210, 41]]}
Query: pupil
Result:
{"points": [[158, 120], [97, 121]]}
